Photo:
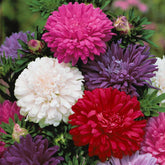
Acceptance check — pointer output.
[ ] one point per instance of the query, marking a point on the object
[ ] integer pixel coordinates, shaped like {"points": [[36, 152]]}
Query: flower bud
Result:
{"points": [[121, 24], [35, 46], [18, 131]]}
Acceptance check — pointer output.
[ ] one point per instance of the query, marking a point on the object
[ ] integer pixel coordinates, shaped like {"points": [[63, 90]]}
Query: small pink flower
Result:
{"points": [[121, 4], [126, 4], [142, 7], [77, 31], [7, 110], [154, 140], [133, 2]]}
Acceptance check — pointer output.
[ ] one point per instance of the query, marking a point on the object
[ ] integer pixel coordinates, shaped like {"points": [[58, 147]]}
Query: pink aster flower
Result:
{"points": [[126, 4], [77, 31], [7, 110], [154, 141], [121, 4]]}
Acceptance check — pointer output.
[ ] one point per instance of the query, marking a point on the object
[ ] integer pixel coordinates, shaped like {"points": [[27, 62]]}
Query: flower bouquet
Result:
{"points": [[82, 90]]}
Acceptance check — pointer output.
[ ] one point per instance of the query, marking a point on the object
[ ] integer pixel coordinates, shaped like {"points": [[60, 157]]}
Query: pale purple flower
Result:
{"points": [[135, 159], [11, 45]]}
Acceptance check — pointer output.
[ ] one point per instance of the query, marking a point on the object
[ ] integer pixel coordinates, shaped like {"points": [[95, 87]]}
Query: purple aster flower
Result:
{"points": [[31, 151], [124, 69], [11, 45], [135, 159]]}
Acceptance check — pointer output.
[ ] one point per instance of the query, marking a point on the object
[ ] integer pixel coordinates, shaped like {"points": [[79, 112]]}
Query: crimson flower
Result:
{"points": [[105, 120]]}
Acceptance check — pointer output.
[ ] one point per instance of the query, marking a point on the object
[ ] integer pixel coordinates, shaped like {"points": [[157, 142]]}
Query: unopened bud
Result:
{"points": [[35, 46], [18, 131], [121, 24]]}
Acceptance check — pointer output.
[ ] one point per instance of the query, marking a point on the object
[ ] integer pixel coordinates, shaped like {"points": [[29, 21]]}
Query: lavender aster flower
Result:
{"points": [[124, 69], [31, 151], [11, 45], [135, 159]]}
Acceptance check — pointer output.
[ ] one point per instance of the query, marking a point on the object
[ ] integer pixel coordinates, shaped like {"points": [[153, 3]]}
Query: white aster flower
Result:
{"points": [[46, 91], [159, 79]]}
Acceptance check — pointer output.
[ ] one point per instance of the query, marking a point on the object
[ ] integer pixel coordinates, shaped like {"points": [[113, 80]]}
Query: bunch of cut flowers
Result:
{"points": [[82, 90]]}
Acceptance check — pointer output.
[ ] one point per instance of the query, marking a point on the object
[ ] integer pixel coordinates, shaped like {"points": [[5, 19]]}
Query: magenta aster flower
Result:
{"points": [[11, 45], [31, 151], [7, 110], [77, 31], [2, 148], [154, 140], [124, 69]]}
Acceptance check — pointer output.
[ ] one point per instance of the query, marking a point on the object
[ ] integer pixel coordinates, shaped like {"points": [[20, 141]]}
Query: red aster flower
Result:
{"points": [[105, 120]]}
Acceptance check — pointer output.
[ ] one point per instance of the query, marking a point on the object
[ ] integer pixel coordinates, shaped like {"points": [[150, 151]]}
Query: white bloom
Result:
{"points": [[46, 91], [159, 79]]}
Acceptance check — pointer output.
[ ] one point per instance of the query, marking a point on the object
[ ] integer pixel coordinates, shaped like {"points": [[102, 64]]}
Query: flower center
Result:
{"points": [[109, 122], [116, 66], [47, 91]]}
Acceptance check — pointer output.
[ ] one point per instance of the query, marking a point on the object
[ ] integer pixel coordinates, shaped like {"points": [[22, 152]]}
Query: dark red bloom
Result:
{"points": [[105, 120]]}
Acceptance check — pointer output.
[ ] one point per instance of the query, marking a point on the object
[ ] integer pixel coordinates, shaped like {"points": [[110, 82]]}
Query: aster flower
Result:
{"points": [[31, 151], [124, 69], [135, 159], [2, 147], [77, 31], [46, 91], [11, 45], [105, 120], [159, 79], [126, 4], [7, 110], [154, 138]]}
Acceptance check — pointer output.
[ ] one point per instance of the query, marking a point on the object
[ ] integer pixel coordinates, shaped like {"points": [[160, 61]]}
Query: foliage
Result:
{"points": [[32, 129], [44, 7], [138, 33], [60, 136], [150, 103], [48, 6]]}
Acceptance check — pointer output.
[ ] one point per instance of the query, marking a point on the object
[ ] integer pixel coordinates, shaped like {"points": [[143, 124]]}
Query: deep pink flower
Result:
{"points": [[7, 110], [77, 31], [154, 141]]}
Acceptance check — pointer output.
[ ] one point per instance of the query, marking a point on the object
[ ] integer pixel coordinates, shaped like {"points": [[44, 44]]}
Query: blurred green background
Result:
{"points": [[16, 16]]}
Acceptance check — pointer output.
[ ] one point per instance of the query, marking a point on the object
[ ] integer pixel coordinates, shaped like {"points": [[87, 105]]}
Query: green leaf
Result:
{"points": [[150, 103], [23, 44], [159, 99], [161, 109], [105, 4]]}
